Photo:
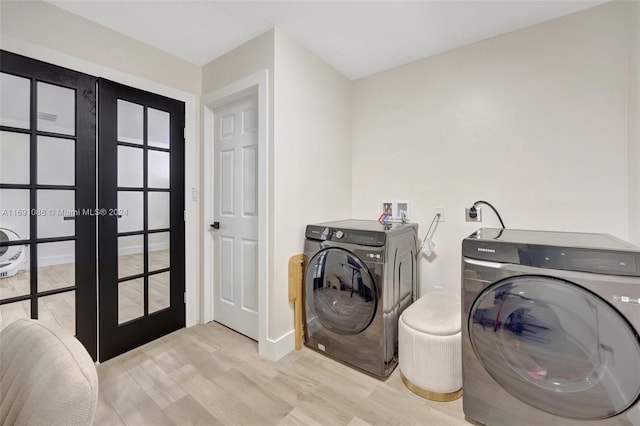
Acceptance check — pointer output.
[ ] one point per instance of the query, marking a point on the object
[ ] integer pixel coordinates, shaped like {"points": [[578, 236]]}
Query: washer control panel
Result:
{"points": [[351, 236]]}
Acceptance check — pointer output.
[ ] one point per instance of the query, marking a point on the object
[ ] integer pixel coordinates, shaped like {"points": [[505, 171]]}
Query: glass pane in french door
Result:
{"points": [[47, 179], [141, 189], [15, 100]]}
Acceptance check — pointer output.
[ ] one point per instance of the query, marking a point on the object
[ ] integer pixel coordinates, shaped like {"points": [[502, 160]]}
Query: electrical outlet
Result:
{"points": [[439, 210], [473, 217]]}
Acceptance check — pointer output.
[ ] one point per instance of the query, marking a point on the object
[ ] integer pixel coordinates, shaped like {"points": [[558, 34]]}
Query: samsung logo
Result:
{"points": [[486, 250]]}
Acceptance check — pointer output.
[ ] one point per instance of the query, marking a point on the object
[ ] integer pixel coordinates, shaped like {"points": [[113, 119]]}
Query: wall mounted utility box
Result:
{"points": [[395, 208], [474, 215]]}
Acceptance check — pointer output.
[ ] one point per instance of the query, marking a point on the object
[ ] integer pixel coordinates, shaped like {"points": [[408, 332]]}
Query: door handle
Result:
{"points": [[215, 225]]}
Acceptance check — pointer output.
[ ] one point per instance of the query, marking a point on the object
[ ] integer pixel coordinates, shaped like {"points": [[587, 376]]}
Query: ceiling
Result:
{"points": [[358, 38]]}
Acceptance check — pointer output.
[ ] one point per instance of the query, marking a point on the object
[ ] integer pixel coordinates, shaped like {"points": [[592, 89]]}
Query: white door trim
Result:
{"points": [[257, 82]]}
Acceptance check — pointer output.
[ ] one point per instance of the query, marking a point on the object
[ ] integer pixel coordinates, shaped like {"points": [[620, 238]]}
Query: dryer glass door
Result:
{"points": [[556, 346], [340, 291]]}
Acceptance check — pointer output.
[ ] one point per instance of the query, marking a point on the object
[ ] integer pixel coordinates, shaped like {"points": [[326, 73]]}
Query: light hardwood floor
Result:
{"points": [[59, 309], [210, 375]]}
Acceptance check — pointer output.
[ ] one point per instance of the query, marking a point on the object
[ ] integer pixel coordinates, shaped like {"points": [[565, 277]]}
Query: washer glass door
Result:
{"points": [[556, 346], [340, 291]]}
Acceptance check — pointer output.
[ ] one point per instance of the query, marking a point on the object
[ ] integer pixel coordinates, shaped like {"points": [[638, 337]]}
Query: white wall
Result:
{"points": [[246, 59], [48, 26], [311, 160], [533, 121], [634, 124]]}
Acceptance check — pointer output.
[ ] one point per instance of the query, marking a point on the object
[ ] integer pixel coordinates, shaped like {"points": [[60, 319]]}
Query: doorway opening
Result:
{"points": [[62, 228], [235, 165]]}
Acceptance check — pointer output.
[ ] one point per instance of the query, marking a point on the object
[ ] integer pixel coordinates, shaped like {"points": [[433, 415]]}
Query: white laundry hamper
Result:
{"points": [[430, 347]]}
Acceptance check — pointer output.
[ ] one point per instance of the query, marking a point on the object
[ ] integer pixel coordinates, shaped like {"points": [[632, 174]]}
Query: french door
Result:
{"points": [[47, 176], [52, 208], [141, 226]]}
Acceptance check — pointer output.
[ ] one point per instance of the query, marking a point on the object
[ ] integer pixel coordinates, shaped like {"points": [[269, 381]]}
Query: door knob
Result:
{"points": [[215, 225]]}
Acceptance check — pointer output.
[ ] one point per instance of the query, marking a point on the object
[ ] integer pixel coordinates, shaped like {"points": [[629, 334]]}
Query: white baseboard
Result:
{"points": [[124, 251], [70, 258], [60, 259], [273, 350]]}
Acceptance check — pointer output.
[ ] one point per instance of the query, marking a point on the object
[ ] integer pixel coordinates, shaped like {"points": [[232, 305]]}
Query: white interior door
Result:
{"points": [[235, 289]]}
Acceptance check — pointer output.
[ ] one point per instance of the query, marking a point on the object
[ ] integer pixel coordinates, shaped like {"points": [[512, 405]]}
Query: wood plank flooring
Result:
{"points": [[210, 375], [59, 309]]}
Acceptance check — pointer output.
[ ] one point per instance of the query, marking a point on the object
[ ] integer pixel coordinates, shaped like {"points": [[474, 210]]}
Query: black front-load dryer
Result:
{"points": [[360, 276], [550, 328]]}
